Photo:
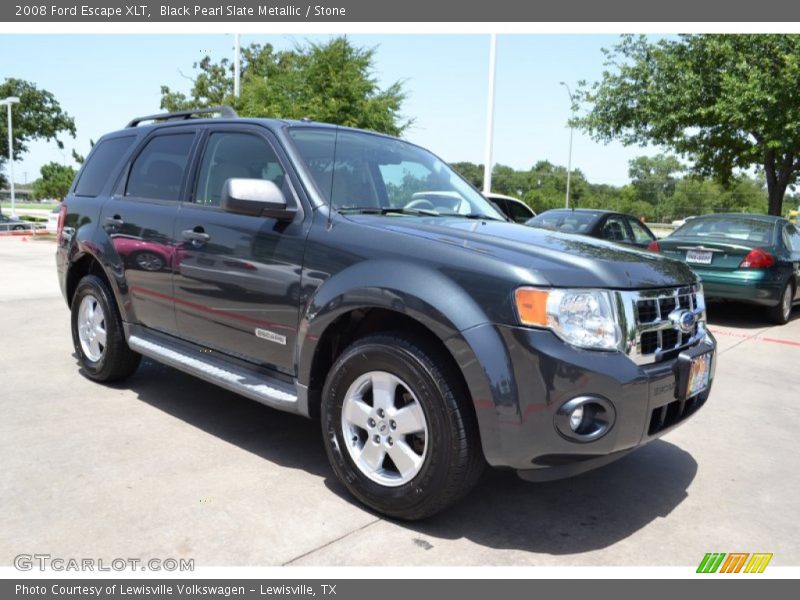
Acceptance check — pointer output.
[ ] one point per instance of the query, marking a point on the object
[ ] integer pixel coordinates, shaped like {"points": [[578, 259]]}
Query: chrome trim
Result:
{"points": [[633, 329], [701, 248]]}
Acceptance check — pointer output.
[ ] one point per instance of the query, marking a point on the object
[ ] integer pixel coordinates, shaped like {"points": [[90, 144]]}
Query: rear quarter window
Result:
{"points": [[101, 164]]}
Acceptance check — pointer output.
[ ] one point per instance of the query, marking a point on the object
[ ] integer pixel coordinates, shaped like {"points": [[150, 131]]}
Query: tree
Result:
{"points": [[37, 116], [653, 178], [726, 103], [54, 182], [331, 82]]}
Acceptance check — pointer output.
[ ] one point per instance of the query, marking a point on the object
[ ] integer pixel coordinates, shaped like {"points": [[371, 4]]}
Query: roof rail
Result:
{"points": [[223, 111]]}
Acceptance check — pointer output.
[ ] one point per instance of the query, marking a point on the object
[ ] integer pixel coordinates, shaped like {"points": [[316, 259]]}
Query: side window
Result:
{"points": [[793, 235], [614, 229], [101, 164], [235, 155], [157, 173], [519, 212], [640, 234]]}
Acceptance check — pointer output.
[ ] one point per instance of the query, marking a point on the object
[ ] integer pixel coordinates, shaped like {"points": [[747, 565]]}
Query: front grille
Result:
{"points": [[673, 413], [652, 334]]}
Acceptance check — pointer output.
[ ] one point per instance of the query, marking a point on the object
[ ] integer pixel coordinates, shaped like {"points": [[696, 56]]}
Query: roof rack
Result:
{"points": [[223, 111]]}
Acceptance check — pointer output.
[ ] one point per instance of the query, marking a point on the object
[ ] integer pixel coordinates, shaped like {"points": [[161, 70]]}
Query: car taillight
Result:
{"points": [[62, 215], [757, 259], [653, 246]]}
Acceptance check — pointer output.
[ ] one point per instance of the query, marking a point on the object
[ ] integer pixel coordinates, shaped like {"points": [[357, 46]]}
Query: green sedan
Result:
{"points": [[744, 257]]}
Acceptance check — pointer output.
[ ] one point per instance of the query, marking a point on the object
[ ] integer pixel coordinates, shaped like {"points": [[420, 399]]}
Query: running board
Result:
{"points": [[255, 386]]}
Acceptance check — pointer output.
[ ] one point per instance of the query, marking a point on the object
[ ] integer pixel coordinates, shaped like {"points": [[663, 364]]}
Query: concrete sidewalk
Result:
{"points": [[165, 465]]}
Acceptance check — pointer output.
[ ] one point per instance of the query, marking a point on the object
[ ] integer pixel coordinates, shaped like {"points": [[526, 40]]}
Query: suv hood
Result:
{"points": [[559, 259]]}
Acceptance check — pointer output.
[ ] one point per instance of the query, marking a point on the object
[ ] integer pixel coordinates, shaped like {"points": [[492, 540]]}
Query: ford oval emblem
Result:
{"points": [[684, 320]]}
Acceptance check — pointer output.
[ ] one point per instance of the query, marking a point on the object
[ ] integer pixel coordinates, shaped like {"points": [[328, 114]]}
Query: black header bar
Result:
{"points": [[442, 11]]}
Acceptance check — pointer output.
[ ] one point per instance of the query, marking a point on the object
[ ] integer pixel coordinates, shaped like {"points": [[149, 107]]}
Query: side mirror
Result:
{"points": [[257, 198]]}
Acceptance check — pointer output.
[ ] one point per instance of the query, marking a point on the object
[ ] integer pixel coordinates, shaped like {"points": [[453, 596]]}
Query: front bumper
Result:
{"points": [[539, 373]]}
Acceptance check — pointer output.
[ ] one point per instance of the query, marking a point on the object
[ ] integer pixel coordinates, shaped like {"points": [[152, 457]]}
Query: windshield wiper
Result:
{"points": [[376, 210], [475, 216]]}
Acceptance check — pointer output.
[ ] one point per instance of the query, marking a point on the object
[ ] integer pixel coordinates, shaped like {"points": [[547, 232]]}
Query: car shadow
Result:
{"points": [[740, 315], [591, 511], [588, 512]]}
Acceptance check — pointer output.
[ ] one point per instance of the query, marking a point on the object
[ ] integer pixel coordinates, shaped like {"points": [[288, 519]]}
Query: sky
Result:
{"points": [[105, 80]]}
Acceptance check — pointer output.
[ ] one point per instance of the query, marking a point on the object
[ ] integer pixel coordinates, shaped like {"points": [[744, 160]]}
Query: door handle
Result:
{"points": [[196, 236], [113, 223]]}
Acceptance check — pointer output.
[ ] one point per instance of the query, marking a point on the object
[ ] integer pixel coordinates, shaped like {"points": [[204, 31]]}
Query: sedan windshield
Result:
{"points": [[363, 172]]}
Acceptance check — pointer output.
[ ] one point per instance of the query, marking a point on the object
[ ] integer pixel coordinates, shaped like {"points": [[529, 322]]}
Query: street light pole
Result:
{"points": [[8, 102], [487, 159], [569, 159], [236, 66]]}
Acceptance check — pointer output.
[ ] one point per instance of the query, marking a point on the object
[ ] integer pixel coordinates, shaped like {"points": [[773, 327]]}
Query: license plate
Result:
{"points": [[699, 257], [699, 374]]}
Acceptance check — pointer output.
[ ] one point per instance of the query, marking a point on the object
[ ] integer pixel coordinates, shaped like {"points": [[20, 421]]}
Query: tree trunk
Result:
{"points": [[778, 176]]}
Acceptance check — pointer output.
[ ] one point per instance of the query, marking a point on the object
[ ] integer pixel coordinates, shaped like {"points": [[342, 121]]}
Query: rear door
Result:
{"points": [[238, 277], [139, 219], [791, 236]]}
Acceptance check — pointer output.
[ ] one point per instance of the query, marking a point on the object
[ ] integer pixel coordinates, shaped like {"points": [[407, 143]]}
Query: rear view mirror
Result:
{"points": [[257, 198]]}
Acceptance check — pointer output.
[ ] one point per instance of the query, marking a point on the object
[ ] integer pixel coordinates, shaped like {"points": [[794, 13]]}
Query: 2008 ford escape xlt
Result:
{"points": [[356, 279]]}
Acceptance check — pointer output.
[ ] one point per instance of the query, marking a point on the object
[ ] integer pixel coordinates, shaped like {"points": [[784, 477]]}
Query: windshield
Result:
{"points": [[362, 172], [568, 221], [730, 228]]}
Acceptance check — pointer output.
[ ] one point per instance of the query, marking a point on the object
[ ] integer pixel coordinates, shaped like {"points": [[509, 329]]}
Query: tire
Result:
{"points": [[148, 261], [18, 227], [99, 341], [781, 312], [449, 460]]}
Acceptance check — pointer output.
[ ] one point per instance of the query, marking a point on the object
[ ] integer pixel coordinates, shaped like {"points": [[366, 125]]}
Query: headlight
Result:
{"points": [[583, 318]]}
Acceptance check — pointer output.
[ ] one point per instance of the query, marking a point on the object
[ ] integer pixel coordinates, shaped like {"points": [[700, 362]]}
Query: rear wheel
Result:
{"points": [[97, 333], [783, 310], [398, 427]]}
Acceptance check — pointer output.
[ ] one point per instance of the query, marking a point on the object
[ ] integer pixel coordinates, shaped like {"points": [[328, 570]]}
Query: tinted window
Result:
{"points": [[567, 221], [236, 155], [640, 234], [614, 230], [158, 171], [101, 164], [729, 227], [518, 212]]}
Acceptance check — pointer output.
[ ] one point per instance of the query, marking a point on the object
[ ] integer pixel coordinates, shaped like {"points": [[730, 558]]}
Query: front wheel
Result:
{"points": [[398, 427], [97, 333], [780, 313]]}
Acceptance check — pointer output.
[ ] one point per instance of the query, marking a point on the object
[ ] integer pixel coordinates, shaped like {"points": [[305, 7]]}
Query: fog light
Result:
{"points": [[585, 418], [576, 418]]}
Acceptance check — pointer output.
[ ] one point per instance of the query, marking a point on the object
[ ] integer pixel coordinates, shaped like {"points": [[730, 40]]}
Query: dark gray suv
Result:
{"points": [[356, 279]]}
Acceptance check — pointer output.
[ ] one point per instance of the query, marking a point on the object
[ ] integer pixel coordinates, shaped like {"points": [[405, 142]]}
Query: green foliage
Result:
{"points": [[331, 82], [724, 102], [38, 116], [54, 182], [656, 192]]}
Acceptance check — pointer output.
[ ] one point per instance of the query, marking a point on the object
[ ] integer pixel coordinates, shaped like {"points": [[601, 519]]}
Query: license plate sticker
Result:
{"points": [[699, 374], [699, 257]]}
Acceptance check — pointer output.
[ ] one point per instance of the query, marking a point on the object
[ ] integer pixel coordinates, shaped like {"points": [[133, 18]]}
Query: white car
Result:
{"points": [[52, 219], [514, 208], [681, 222]]}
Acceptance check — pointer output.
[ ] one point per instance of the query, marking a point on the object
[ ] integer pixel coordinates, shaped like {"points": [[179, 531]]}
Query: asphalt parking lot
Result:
{"points": [[165, 465]]}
